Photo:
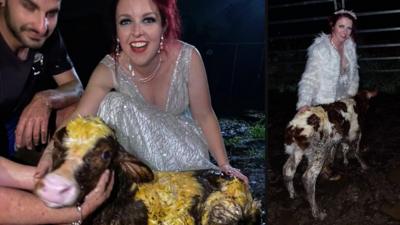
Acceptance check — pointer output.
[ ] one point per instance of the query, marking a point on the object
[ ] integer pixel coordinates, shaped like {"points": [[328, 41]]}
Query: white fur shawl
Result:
{"points": [[318, 84]]}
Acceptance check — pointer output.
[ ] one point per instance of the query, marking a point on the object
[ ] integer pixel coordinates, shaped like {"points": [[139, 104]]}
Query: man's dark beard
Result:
{"points": [[14, 30]]}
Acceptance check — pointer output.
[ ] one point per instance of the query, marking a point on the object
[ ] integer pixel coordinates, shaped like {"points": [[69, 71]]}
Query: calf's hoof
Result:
{"points": [[322, 215], [319, 214], [364, 167], [335, 177], [292, 194], [328, 174]]}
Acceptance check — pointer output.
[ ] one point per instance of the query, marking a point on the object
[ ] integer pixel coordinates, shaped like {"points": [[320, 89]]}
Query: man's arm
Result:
{"points": [[33, 122], [68, 91], [16, 175]]}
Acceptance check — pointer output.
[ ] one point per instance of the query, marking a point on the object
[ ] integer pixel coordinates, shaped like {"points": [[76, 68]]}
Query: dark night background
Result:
{"points": [[294, 24], [359, 197], [228, 33]]}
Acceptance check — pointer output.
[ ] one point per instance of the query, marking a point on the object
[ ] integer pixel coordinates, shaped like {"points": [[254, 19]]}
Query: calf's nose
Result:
{"points": [[57, 191]]}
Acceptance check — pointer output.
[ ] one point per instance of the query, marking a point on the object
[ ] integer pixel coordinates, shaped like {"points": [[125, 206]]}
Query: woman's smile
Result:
{"points": [[138, 46]]}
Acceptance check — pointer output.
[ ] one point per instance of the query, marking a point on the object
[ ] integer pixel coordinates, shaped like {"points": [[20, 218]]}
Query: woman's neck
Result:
{"points": [[338, 45]]}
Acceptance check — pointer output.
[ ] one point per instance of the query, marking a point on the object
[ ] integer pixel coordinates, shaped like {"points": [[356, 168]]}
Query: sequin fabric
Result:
{"points": [[166, 140]]}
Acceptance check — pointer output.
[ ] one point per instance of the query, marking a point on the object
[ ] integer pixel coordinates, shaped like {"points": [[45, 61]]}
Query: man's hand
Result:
{"points": [[45, 162], [33, 122], [99, 194]]}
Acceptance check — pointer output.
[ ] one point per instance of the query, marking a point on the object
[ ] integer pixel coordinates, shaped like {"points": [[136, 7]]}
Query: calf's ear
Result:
{"points": [[133, 167], [59, 149], [59, 136]]}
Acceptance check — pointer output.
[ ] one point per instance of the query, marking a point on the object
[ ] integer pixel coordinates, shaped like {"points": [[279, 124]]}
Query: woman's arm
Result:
{"points": [[100, 83], [309, 82], [203, 113]]}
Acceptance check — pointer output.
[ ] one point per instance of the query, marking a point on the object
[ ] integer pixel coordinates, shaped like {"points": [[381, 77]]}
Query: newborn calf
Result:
{"points": [[316, 133], [86, 147]]}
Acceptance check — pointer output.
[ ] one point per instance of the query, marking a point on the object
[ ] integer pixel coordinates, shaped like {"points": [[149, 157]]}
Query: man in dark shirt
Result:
{"points": [[32, 55]]}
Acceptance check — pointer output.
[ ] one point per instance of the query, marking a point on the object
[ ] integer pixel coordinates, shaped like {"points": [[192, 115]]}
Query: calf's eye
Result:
{"points": [[106, 155]]}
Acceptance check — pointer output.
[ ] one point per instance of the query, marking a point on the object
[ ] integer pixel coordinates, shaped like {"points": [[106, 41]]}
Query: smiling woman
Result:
{"points": [[139, 32], [161, 107], [331, 71]]}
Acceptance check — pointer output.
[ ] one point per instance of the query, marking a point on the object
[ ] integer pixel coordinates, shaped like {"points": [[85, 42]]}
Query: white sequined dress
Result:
{"points": [[166, 140]]}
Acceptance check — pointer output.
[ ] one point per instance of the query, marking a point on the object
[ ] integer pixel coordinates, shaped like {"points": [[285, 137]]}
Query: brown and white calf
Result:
{"points": [[316, 134], [86, 147]]}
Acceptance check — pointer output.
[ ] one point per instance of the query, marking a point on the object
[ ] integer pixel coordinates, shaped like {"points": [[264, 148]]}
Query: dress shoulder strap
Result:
{"points": [[186, 52], [184, 59], [109, 62]]}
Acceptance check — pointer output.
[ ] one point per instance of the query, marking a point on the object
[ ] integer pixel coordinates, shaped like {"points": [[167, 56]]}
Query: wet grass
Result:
{"points": [[244, 138]]}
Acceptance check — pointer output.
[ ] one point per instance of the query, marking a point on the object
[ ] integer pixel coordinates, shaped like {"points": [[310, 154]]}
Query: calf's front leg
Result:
{"points": [[345, 150]]}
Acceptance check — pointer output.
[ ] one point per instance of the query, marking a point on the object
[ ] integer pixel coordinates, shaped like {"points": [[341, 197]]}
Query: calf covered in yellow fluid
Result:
{"points": [[86, 147]]}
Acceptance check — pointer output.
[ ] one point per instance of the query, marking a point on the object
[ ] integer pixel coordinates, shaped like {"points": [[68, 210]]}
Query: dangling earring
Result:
{"points": [[161, 45], [117, 48]]}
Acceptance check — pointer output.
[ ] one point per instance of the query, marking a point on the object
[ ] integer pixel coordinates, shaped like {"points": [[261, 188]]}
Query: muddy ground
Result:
{"points": [[358, 198]]}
